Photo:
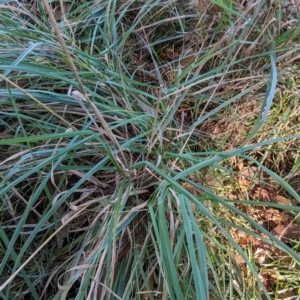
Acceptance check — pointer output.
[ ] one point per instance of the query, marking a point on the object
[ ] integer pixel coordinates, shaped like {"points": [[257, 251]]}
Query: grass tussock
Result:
{"points": [[149, 149]]}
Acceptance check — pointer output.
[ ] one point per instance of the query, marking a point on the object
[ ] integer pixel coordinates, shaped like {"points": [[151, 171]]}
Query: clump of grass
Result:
{"points": [[126, 129]]}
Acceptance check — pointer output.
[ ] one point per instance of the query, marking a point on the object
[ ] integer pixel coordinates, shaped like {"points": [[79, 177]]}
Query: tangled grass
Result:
{"points": [[142, 146]]}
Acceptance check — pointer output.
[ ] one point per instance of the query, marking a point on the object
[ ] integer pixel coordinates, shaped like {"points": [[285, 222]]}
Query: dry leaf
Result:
{"points": [[287, 232], [263, 252], [275, 215], [240, 165], [262, 194], [282, 256], [248, 176], [282, 200], [244, 184], [267, 196], [191, 188], [269, 278], [288, 294], [58, 11], [240, 260]]}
